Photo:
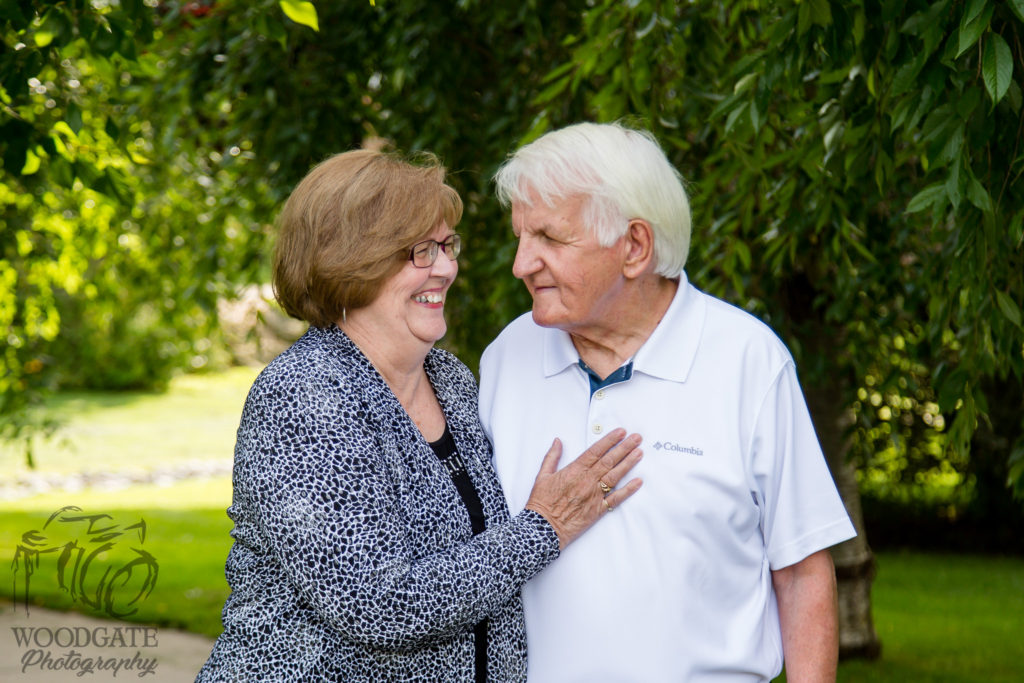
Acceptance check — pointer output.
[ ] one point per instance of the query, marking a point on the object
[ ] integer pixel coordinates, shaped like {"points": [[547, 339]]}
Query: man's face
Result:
{"points": [[573, 280]]}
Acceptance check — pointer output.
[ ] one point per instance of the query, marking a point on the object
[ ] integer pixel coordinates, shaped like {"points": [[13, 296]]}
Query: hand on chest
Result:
{"points": [[693, 464]]}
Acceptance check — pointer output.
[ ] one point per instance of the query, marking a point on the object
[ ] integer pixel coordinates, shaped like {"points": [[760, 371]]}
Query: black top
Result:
{"points": [[449, 456]]}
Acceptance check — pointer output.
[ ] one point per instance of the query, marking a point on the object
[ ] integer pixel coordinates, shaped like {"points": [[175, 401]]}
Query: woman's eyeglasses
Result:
{"points": [[423, 254]]}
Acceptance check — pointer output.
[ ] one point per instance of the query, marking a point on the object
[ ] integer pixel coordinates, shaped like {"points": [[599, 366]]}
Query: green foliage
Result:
{"points": [[855, 170], [454, 78], [869, 154], [114, 244], [301, 13], [56, 156]]}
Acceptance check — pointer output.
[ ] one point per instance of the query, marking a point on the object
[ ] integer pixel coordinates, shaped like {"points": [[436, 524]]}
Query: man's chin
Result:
{"points": [[544, 319]]}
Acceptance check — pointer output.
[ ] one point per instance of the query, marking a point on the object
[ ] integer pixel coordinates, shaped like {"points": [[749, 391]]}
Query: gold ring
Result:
{"points": [[607, 507], [604, 487]]}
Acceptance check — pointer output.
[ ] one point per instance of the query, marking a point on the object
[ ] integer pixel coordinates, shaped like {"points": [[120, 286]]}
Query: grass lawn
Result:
{"points": [[186, 533], [949, 618], [195, 419], [946, 618]]}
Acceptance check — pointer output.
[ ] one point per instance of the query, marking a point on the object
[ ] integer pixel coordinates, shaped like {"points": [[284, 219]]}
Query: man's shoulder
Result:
{"points": [[521, 333], [727, 322], [520, 344]]}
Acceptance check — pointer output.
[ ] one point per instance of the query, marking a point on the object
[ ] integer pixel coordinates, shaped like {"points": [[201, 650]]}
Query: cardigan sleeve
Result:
{"points": [[325, 504]]}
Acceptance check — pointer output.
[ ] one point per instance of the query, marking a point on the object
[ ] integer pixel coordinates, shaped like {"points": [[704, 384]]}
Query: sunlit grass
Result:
{"points": [[187, 530], [948, 618], [195, 420], [187, 533]]}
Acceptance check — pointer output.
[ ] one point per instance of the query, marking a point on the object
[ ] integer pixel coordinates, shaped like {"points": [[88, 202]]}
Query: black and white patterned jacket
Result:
{"points": [[354, 558]]}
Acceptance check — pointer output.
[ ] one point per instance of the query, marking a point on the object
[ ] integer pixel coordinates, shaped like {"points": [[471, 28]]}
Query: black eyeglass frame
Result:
{"points": [[451, 245]]}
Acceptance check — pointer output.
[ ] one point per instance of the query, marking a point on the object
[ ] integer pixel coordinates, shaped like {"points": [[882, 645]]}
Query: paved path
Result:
{"points": [[62, 639]]}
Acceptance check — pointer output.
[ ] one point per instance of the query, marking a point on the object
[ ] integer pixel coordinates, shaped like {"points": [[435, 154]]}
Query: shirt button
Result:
{"points": [[596, 429], [599, 394]]}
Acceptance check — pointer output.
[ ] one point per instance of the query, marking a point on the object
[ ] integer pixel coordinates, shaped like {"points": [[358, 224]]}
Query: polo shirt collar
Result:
{"points": [[671, 349], [668, 353], [559, 352]]}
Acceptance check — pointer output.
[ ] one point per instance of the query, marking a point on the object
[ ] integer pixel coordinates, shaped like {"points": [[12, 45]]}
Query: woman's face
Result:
{"points": [[410, 306]]}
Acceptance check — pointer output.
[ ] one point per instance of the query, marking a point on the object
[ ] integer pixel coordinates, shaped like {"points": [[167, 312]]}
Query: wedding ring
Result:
{"points": [[604, 487]]}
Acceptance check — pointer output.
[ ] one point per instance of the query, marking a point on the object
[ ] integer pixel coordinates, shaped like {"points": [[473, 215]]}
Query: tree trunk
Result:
{"points": [[855, 563]]}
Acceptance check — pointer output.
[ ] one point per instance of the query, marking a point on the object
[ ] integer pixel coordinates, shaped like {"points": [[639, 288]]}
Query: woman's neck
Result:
{"points": [[403, 372]]}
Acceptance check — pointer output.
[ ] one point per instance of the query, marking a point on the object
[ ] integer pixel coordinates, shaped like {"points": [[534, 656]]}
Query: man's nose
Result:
{"points": [[526, 261]]}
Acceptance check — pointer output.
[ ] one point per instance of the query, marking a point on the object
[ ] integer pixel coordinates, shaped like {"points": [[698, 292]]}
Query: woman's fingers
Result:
{"points": [[550, 463], [613, 476], [616, 455], [601, 448], [619, 495], [576, 496]]}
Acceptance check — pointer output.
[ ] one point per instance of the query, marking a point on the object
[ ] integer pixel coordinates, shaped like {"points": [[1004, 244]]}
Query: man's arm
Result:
{"points": [[809, 615]]}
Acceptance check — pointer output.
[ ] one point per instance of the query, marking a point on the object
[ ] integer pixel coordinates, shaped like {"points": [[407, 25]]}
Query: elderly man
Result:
{"points": [[719, 565]]}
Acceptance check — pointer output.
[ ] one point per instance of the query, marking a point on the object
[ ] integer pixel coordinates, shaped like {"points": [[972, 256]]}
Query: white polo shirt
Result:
{"points": [[675, 584]]}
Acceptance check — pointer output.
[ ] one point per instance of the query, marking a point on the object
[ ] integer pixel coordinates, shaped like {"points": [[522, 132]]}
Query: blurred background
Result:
{"points": [[855, 171]]}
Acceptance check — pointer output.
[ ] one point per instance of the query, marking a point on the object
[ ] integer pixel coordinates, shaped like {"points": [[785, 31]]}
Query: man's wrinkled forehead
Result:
{"points": [[563, 215]]}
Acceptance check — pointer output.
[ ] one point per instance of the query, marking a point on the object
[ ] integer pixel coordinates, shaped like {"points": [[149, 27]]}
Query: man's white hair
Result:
{"points": [[620, 172]]}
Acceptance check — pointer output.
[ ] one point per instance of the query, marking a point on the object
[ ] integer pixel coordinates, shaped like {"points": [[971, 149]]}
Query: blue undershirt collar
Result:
{"points": [[621, 375]]}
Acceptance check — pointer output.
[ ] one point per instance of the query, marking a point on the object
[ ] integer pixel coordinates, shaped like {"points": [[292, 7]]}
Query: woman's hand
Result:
{"points": [[573, 498]]}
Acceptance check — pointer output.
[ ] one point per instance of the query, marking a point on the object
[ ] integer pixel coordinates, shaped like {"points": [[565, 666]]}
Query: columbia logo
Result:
{"points": [[669, 446]]}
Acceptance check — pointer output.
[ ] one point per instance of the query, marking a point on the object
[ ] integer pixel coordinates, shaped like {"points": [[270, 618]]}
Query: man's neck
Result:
{"points": [[606, 346]]}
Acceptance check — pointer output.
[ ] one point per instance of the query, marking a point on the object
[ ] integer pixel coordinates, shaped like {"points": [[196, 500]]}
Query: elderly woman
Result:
{"points": [[372, 540]]}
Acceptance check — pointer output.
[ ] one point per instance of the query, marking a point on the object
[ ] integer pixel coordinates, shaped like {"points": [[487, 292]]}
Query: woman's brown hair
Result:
{"points": [[347, 227]]}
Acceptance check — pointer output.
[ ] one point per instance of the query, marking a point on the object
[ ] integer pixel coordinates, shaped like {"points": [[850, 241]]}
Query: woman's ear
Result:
{"points": [[639, 246]]}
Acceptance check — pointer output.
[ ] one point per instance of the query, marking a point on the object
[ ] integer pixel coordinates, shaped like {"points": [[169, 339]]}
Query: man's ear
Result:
{"points": [[639, 257]]}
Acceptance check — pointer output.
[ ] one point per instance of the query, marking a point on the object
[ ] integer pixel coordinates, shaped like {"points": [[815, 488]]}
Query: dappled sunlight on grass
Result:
{"points": [[187, 532], [195, 420], [213, 493]]}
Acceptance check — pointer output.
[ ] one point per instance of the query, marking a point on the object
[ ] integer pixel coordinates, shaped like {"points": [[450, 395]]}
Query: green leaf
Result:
{"points": [[1018, 8], [734, 116], [643, 31], [552, 91], [745, 83], [43, 37], [971, 30], [821, 13], [301, 13], [979, 196], [32, 163], [755, 117], [973, 10], [953, 186], [73, 116], [927, 197], [906, 74], [1008, 307], [996, 66]]}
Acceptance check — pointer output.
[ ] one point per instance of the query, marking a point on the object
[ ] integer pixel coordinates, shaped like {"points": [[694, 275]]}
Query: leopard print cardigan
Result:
{"points": [[353, 555]]}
